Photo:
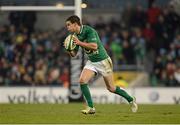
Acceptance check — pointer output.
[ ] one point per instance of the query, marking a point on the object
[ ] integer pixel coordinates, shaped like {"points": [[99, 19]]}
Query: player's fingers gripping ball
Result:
{"points": [[69, 43]]}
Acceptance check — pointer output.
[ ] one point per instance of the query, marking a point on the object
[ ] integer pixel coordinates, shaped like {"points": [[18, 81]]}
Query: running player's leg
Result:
{"points": [[86, 75], [117, 90]]}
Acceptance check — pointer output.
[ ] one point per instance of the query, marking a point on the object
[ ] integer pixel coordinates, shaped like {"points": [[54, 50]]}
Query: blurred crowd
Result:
{"points": [[30, 57], [141, 37], [149, 38]]}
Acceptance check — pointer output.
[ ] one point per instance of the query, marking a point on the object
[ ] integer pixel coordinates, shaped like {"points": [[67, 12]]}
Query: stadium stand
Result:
{"points": [[145, 39]]}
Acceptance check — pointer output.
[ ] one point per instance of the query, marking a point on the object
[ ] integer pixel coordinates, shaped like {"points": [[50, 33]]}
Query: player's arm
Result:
{"points": [[88, 45]]}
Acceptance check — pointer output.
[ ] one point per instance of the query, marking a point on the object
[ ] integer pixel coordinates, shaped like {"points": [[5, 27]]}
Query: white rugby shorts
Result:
{"points": [[103, 67]]}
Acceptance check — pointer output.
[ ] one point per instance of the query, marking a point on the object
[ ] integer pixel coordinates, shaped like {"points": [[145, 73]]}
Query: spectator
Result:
{"points": [[40, 73], [127, 14], [29, 20], [15, 18], [153, 13], [138, 18], [53, 78], [116, 48], [64, 77], [139, 45], [149, 35], [177, 76], [161, 32]]}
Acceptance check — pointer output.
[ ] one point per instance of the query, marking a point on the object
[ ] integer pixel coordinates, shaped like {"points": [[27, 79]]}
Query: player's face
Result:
{"points": [[71, 27]]}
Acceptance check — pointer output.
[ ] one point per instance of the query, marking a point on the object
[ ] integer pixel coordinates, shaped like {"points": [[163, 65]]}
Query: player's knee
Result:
{"points": [[111, 89], [82, 80]]}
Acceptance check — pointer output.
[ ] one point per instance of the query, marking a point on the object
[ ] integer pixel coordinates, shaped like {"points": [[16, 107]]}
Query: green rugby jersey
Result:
{"points": [[88, 34]]}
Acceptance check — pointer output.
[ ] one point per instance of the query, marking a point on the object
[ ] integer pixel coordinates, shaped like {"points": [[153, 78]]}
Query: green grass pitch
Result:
{"points": [[70, 114]]}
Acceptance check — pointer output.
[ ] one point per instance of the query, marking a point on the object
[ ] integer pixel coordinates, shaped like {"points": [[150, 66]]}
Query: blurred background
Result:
{"points": [[141, 36]]}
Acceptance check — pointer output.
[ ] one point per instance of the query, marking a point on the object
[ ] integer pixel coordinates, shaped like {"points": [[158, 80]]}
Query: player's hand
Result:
{"points": [[76, 40]]}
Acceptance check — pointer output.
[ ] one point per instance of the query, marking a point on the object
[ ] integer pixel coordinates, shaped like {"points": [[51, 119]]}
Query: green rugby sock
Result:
{"points": [[123, 93], [87, 94]]}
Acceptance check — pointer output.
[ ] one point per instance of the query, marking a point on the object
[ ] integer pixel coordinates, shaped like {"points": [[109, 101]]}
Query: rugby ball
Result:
{"points": [[68, 43]]}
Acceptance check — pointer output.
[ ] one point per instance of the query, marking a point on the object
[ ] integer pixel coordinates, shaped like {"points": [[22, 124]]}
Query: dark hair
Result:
{"points": [[74, 19]]}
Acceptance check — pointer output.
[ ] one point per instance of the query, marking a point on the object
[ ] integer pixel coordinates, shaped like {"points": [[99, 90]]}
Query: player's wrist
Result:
{"points": [[79, 43], [82, 44]]}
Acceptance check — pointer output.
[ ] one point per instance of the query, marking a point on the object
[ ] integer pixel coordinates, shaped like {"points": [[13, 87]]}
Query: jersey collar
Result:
{"points": [[81, 29]]}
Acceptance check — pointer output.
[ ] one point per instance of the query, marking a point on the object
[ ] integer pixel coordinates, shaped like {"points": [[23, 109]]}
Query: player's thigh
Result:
{"points": [[108, 79], [104, 67], [86, 75]]}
